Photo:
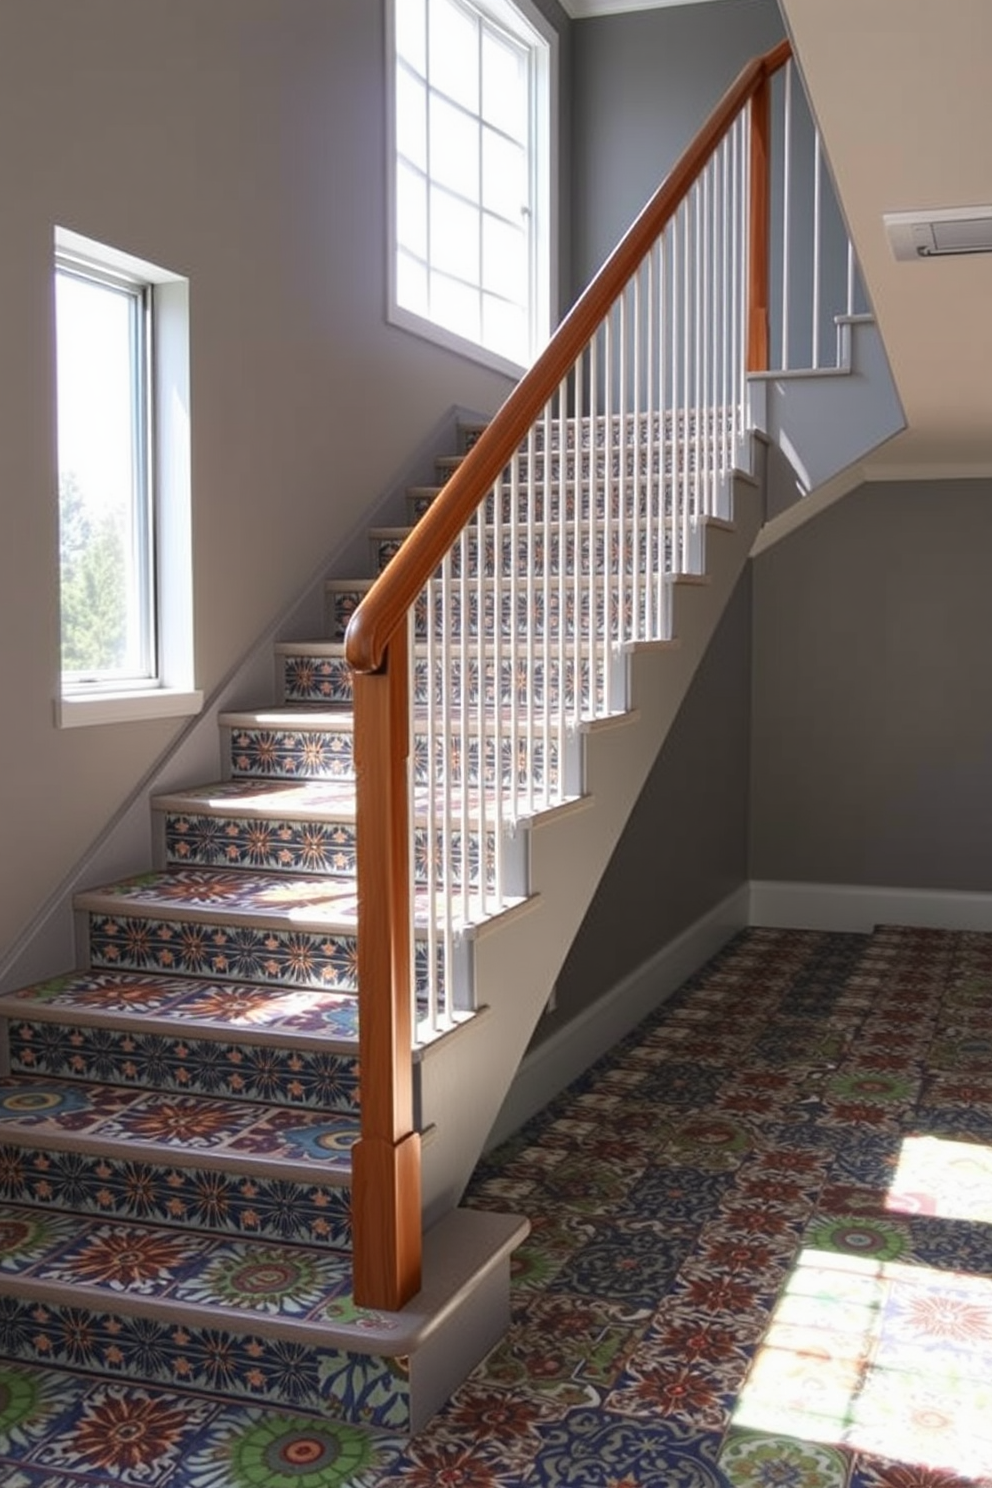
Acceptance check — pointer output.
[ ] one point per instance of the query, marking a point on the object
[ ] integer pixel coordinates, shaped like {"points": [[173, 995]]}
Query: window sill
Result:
{"points": [[126, 707]]}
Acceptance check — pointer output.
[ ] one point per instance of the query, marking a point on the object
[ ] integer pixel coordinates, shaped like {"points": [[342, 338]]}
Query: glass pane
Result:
{"points": [[410, 23], [455, 306], [504, 85], [454, 237], [411, 118], [504, 329], [104, 551], [504, 176], [454, 53], [504, 260], [411, 210], [454, 149], [411, 285]]}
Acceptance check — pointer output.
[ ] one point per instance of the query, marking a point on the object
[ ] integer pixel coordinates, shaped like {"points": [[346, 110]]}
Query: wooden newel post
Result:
{"points": [[386, 1202], [759, 230]]}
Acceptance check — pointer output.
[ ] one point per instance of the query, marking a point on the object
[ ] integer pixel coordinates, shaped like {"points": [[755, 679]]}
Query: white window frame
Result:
{"points": [[168, 690], [523, 20]]}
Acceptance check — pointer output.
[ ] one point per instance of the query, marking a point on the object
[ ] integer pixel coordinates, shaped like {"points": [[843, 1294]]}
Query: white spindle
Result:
{"points": [[817, 230], [786, 210]]}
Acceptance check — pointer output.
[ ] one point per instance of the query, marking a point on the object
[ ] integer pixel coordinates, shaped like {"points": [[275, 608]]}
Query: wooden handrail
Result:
{"points": [[386, 1205], [385, 606]]}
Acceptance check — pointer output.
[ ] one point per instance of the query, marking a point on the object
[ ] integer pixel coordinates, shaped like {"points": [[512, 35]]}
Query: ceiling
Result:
{"points": [[903, 93], [902, 90]]}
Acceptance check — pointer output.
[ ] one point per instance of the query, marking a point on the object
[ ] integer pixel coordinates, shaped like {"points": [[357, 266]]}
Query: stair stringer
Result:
{"points": [[517, 958]]}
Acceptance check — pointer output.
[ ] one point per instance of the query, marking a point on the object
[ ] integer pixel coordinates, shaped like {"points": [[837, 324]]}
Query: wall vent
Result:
{"points": [[948, 232]]}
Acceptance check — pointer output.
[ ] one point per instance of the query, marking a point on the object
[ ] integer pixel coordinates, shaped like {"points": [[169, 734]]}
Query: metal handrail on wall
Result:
{"points": [[504, 612]]}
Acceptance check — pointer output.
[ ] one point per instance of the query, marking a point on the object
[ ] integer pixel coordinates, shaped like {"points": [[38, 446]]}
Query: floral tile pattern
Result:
{"points": [[760, 1257], [227, 1005]]}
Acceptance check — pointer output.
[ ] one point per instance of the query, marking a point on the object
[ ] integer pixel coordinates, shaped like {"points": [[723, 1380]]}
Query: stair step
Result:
{"points": [[275, 929], [294, 744], [646, 549], [247, 1320], [317, 672], [225, 1166], [292, 827], [201, 1038]]}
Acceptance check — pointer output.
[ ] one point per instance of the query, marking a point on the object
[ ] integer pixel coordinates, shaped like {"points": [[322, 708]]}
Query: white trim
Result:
{"points": [[126, 707], [580, 10], [941, 470], [860, 907], [560, 1059], [519, 16]]}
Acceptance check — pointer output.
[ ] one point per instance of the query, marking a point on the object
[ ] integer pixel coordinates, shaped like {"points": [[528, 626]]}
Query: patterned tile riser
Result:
{"points": [[643, 552], [272, 754], [295, 1212], [288, 847], [262, 1072], [222, 1364], [310, 680], [529, 611], [277, 958]]}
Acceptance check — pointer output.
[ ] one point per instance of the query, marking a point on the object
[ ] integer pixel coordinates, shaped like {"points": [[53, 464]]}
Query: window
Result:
{"points": [[123, 477], [472, 220]]}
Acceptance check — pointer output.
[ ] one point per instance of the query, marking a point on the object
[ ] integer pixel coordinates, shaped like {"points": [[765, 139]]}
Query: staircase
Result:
{"points": [[178, 1116], [212, 1169]]}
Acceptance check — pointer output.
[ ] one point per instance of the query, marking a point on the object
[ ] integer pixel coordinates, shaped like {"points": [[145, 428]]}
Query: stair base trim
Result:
{"points": [[823, 906], [560, 1059]]}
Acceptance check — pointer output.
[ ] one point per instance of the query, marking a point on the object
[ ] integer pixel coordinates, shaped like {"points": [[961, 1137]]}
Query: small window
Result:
{"points": [[106, 517], [472, 112], [125, 573]]}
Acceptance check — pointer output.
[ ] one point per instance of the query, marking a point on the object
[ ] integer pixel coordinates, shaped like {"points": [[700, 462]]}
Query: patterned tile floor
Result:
{"points": [[761, 1257]]}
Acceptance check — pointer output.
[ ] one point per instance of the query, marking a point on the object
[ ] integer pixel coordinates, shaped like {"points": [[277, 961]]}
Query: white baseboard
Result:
{"points": [[554, 1064], [812, 906]]}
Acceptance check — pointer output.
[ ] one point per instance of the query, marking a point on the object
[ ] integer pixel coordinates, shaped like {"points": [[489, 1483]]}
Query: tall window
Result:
{"points": [[472, 166], [107, 531], [122, 387]]}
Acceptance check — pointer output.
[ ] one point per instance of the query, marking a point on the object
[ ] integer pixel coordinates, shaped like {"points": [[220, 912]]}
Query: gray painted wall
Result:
{"points": [[685, 848], [241, 143], [872, 744], [643, 83]]}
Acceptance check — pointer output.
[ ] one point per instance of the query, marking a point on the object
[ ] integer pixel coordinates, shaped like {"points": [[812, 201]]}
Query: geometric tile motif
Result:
{"points": [[316, 679], [262, 1072], [292, 754], [302, 1211], [260, 842], [225, 1365], [291, 958], [276, 958]]}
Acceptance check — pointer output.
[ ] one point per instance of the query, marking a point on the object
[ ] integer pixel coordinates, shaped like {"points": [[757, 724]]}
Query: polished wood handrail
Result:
{"points": [[386, 1217], [385, 606]]}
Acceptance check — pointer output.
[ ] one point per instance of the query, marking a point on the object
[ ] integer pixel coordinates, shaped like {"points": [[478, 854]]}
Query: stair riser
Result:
{"points": [[330, 682], [645, 552], [288, 847], [174, 1196], [528, 609], [253, 1072], [222, 951], [249, 1367], [279, 755]]}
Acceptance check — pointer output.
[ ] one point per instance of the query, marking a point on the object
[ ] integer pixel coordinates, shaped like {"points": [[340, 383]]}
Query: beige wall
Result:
{"points": [[241, 143]]}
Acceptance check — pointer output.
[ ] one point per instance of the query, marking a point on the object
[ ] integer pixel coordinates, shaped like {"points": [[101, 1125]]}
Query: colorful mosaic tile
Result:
{"points": [[293, 753], [302, 1210], [257, 1072], [310, 678], [726, 1285]]}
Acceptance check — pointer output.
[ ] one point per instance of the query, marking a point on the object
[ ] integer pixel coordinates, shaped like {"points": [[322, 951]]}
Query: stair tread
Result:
{"points": [[296, 800], [191, 1007], [176, 1129], [239, 1284]]}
